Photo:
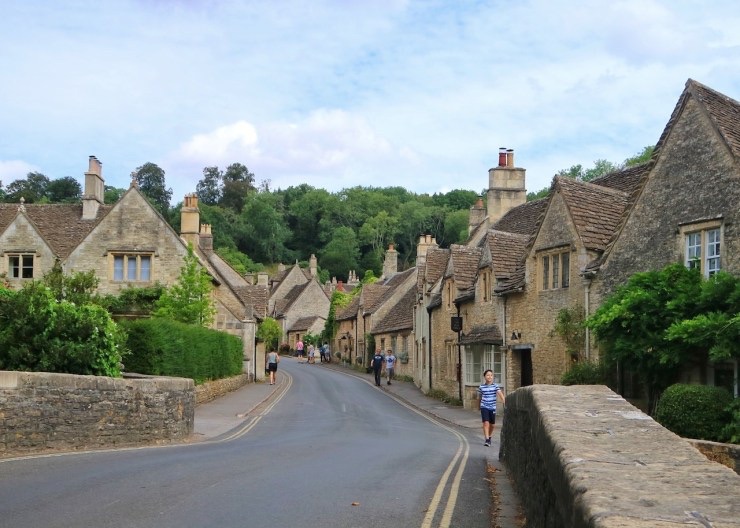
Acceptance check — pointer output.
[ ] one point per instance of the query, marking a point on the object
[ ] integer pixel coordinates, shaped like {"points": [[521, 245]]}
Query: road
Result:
{"points": [[330, 450]]}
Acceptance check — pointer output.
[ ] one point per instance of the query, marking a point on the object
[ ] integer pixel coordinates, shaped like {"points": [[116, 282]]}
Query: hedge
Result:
{"points": [[694, 411]]}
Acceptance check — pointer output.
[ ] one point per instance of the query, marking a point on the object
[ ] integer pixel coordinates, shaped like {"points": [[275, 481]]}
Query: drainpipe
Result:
{"points": [[459, 359], [587, 307], [429, 325]]}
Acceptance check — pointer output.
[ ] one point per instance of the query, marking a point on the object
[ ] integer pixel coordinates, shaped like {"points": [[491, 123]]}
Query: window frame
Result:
{"points": [[554, 269], [480, 357], [702, 246], [131, 266], [18, 270]]}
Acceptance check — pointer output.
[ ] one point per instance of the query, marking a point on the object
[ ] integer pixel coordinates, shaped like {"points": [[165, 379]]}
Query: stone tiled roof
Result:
{"points": [[393, 282], [304, 323], [596, 211], [523, 219], [486, 334], [626, 180], [433, 269], [372, 296], [722, 110], [507, 251], [349, 311], [256, 296], [60, 225], [400, 316], [291, 296], [464, 268]]}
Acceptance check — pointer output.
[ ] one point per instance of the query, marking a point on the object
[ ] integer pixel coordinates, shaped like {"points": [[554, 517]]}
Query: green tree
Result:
{"points": [[238, 184], [456, 227], [150, 179], [341, 254], [269, 332], [189, 300], [64, 190], [378, 231], [265, 241], [32, 189], [113, 194], [210, 188], [570, 328], [79, 288], [641, 157], [632, 324]]}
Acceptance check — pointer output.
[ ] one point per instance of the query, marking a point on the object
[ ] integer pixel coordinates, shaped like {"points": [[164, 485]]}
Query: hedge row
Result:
{"points": [[162, 347]]}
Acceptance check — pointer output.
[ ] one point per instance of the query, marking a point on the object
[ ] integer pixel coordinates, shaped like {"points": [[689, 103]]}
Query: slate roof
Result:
{"points": [[399, 317], [506, 251], [372, 296], [284, 304], [60, 225], [433, 268]]}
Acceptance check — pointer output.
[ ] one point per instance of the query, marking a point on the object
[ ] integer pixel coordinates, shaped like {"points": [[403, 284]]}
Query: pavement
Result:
{"points": [[218, 417]]}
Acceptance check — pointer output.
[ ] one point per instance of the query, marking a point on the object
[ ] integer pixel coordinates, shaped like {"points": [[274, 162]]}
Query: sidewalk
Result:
{"points": [[220, 416]]}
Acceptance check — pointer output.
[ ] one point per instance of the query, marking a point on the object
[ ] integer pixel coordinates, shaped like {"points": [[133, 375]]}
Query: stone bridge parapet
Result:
{"points": [[582, 456]]}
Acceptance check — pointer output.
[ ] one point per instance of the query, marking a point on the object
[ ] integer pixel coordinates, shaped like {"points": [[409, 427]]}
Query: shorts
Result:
{"points": [[488, 415], [272, 367]]}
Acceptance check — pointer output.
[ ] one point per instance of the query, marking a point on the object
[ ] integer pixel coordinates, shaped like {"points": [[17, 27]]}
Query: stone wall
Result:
{"points": [[584, 457], [42, 411], [215, 389]]}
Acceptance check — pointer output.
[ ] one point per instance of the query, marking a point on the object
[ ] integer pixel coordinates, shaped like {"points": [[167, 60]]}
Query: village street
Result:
{"points": [[330, 450]]}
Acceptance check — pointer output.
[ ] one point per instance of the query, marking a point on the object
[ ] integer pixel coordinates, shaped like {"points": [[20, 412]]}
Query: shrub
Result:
{"points": [[694, 411], [731, 432], [163, 347], [585, 373], [42, 334]]}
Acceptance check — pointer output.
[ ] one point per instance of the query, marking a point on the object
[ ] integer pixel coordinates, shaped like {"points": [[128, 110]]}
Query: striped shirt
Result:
{"points": [[488, 396]]}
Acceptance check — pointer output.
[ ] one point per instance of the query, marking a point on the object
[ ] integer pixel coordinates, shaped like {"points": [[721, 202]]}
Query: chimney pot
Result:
{"points": [[510, 158], [502, 157]]}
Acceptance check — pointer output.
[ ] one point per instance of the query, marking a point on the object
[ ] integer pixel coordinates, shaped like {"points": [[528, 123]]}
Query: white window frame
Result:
{"points": [[481, 357], [702, 246], [18, 265]]}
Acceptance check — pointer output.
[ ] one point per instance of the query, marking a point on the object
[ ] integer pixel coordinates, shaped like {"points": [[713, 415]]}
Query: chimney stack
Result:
{"points": [[390, 264], [190, 220], [506, 187], [94, 189]]}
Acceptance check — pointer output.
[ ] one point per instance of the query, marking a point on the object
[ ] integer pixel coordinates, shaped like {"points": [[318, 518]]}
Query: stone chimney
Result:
{"points": [[94, 194], [390, 264], [281, 267], [313, 266], [262, 278], [425, 242], [506, 186], [477, 215], [206, 237], [190, 220]]}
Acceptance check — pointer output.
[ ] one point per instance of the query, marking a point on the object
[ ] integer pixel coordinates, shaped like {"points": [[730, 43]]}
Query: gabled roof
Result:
{"points": [[463, 269], [504, 253], [60, 225], [372, 296], [723, 111], [399, 317], [433, 268], [596, 211], [523, 219], [349, 311], [486, 334], [304, 323]]}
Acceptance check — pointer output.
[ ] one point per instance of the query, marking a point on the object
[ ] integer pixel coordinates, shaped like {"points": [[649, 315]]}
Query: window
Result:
{"points": [[702, 248], [555, 270], [132, 268], [479, 358], [486, 285], [20, 266]]}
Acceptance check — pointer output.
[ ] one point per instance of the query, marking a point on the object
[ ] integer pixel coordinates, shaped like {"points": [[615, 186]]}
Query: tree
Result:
{"points": [[632, 324], [209, 188], [341, 254], [64, 190], [269, 332], [113, 194], [79, 288], [32, 189], [379, 230], [189, 300], [238, 183], [150, 179], [641, 157]]}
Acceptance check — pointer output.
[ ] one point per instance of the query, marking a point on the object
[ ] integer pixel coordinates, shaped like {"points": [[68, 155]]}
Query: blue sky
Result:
{"points": [[337, 94]]}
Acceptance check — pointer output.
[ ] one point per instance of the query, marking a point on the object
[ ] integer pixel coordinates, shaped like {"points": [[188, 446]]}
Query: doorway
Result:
{"points": [[525, 356]]}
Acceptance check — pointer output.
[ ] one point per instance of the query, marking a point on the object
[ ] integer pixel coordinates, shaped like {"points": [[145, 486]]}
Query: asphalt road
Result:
{"points": [[329, 451]]}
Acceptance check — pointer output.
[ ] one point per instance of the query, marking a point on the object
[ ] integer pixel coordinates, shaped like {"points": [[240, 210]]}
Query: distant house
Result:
{"points": [[125, 244]]}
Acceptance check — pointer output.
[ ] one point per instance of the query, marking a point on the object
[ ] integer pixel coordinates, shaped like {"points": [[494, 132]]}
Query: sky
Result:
{"points": [[344, 93]]}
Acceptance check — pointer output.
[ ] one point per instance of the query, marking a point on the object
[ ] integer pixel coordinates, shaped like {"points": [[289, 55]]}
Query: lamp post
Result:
{"points": [[456, 326]]}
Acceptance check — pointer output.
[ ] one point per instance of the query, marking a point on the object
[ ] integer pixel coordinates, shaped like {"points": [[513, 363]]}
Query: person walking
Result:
{"points": [[377, 365], [390, 362], [273, 358], [322, 353], [489, 394], [311, 354], [299, 349]]}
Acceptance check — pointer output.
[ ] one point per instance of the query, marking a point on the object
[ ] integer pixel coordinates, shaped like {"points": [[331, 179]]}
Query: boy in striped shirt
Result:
{"points": [[489, 393]]}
